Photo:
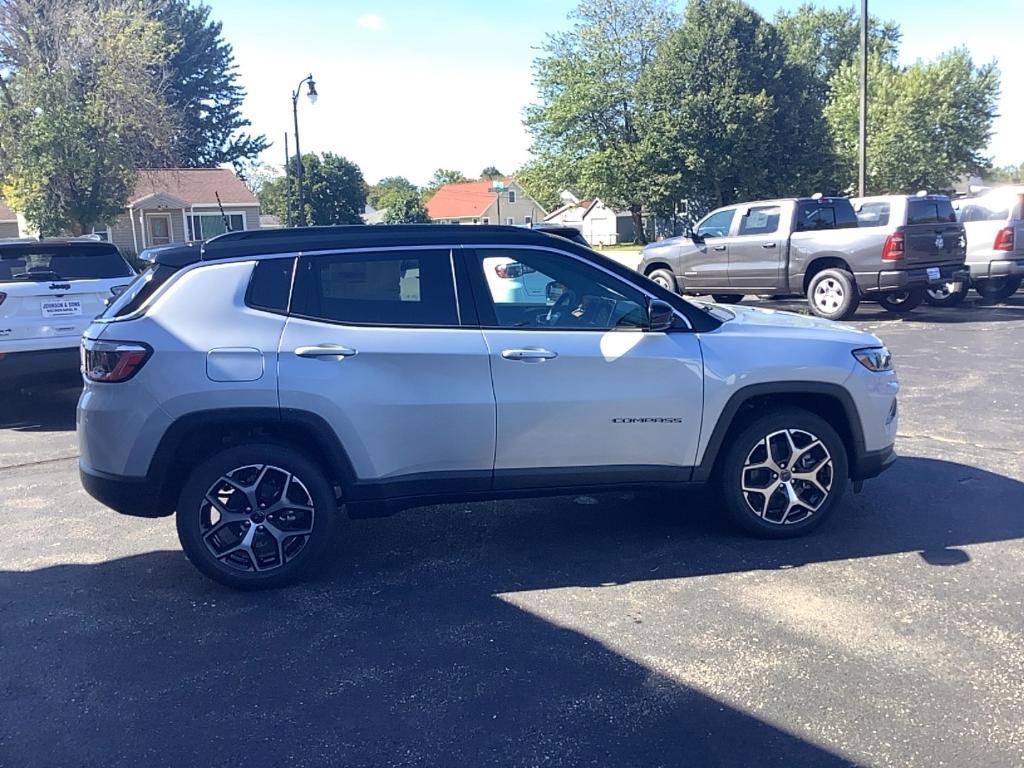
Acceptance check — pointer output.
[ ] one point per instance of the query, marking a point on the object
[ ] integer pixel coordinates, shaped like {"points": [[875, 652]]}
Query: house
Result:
{"points": [[599, 223], [489, 201], [169, 205]]}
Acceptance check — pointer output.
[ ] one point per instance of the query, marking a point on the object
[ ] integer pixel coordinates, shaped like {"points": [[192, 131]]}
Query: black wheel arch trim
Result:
{"points": [[741, 397]]}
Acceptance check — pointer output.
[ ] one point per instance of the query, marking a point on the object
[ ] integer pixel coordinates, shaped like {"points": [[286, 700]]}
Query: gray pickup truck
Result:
{"points": [[813, 247]]}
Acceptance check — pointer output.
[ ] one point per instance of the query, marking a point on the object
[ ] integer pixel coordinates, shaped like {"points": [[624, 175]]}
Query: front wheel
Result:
{"points": [[727, 298], [997, 288], [256, 516], [899, 302], [947, 294], [833, 294], [665, 279], [783, 474]]}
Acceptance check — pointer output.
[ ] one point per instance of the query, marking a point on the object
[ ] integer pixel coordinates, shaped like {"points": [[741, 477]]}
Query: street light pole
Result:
{"points": [[287, 184], [301, 210], [863, 141]]}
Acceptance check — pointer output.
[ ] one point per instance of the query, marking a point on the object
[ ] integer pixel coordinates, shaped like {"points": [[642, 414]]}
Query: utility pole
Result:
{"points": [[300, 212], [287, 184], [863, 143]]}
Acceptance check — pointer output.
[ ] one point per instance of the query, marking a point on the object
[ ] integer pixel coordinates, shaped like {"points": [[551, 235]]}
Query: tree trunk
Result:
{"points": [[638, 224]]}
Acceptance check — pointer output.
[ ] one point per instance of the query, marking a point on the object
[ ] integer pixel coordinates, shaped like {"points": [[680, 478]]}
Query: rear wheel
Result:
{"points": [[256, 516], [664, 278], [833, 294], [783, 474], [947, 294], [997, 288], [727, 298], [901, 301]]}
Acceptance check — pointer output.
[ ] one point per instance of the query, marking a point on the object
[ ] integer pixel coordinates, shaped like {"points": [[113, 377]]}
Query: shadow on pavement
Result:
{"points": [[49, 408], [402, 652], [973, 310]]}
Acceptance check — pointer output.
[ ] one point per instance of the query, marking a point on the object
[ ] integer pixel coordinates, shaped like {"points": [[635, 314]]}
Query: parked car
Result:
{"points": [[50, 290], [994, 223], [256, 383], [804, 246], [924, 226]]}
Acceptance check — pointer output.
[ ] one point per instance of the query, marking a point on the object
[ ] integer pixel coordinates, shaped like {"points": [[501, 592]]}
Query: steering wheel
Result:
{"points": [[565, 301]]}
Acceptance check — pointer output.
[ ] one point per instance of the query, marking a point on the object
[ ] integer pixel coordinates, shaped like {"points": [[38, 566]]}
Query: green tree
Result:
{"points": [[406, 208], [587, 81], [334, 190], [388, 188], [200, 83], [928, 123], [441, 177], [490, 172], [544, 180], [79, 109], [726, 115]]}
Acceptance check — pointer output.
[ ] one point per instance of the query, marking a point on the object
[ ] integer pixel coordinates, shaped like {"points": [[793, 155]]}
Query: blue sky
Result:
{"points": [[407, 87]]}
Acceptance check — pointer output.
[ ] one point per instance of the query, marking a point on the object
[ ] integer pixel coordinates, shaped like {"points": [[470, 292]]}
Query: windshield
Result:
{"points": [[48, 263]]}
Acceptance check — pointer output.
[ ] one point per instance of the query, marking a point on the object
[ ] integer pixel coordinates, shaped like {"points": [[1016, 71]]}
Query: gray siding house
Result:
{"points": [[501, 201]]}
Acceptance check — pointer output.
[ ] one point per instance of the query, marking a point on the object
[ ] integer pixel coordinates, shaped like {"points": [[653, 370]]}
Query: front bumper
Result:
{"points": [[135, 496], [872, 463], [30, 367], [906, 279]]}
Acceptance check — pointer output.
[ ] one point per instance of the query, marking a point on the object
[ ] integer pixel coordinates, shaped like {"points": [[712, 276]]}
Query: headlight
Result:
{"points": [[874, 358]]}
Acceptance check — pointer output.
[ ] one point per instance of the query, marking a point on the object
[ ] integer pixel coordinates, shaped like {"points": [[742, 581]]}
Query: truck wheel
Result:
{"points": [[997, 288], [665, 279], [833, 294], [783, 474], [727, 298], [901, 301], [256, 516], [947, 294]]}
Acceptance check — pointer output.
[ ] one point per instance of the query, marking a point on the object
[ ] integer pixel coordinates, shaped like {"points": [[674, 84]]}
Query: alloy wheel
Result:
{"points": [[787, 476], [662, 281], [256, 517], [829, 295]]}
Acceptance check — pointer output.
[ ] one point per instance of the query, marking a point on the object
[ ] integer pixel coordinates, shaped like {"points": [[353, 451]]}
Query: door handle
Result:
{"points": [[325, 350], [767, 245], [529, 355], [718, 247]]}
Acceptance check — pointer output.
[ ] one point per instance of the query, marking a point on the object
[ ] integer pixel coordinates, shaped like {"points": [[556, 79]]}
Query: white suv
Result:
{"points": [[50, 290], [258, 383]]}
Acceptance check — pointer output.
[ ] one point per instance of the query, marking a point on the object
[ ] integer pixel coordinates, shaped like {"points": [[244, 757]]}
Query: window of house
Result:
{"points": [[511, 221], [511, 195], [485, 220], [386, 288], [203, 226], [528, 221]]}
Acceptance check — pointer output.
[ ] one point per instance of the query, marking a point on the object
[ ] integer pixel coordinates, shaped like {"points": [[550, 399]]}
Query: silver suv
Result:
{"points": [[256, 384]]}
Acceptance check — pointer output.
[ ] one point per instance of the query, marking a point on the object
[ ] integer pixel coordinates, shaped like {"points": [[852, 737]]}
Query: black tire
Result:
{"points": [[813, 507], [727, 298], [665, 279], [947, 294], [997, 288], [833, 294], [899, 302], [194, 516]]}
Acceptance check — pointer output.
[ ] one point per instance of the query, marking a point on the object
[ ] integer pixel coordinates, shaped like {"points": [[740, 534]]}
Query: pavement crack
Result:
{"points": [[37, 463]]}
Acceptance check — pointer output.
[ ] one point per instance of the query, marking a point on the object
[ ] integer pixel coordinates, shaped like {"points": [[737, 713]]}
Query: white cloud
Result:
{"points": [[370, 21]]}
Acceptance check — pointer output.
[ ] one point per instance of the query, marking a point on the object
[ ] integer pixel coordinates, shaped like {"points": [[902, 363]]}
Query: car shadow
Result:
{"points": [[405, 651], [41, 408], [972, 310]]}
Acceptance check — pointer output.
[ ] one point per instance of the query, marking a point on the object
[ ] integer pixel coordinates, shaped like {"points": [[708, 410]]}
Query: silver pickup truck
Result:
{"points": [[813, 247]]}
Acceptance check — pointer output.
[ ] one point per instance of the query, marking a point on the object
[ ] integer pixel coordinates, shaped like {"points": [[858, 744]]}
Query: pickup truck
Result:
{"points": [[814, 247]]}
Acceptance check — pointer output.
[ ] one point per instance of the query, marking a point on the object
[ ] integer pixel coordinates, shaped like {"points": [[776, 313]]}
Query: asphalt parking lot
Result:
{"points": [[609, 631]]}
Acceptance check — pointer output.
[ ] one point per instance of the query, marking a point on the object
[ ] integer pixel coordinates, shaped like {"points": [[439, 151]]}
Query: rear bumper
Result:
{"points": [[904, 279], [997, 268], [30, 367], [872, 463], [135, 496]]}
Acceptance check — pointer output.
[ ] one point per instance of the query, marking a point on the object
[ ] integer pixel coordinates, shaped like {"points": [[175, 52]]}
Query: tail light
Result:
{"points": [[1004, 239], [113, 361], [893, 250], [512, 270]]}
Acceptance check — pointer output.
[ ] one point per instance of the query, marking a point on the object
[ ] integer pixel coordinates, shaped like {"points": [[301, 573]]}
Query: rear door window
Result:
{"points": [[928, 211], [39, 263], [761, 220], [390, 288]]}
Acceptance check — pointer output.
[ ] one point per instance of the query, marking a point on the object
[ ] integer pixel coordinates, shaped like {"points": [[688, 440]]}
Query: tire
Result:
{"points": [[218, 548], [997, 288], [727, 298], [778, 515], [899, 302], [947, 294], [665, 279], [833, 294]]}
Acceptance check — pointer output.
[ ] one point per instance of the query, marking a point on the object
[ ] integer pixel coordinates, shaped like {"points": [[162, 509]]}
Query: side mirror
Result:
{"points": [[660, 315], [692, 234]]}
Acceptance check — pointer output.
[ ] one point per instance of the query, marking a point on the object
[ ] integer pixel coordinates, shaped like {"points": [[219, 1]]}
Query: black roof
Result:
{"points": [[259, 242], [42, 246]]}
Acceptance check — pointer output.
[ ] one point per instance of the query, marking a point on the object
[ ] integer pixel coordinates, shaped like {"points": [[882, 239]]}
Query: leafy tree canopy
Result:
{"points": [[388, 188], [441, 177], [334, 189], [490, 172], [406, 207]]}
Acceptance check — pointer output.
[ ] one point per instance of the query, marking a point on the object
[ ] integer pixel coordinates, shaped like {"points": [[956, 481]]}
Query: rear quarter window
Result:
{"points": [[270, 285], [930, 212], [43, 262]]}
